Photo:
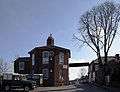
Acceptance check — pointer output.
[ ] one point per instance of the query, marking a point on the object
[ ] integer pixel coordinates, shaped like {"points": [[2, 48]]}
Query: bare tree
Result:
{"points": [[82, 72], [98, 28], [4, 66]]}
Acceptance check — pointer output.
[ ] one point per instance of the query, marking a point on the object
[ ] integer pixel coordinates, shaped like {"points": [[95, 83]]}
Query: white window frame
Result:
{"points": [[61, 74], [45, 60], [45, 72], [61, 58], [21, 65], [33, 59]]}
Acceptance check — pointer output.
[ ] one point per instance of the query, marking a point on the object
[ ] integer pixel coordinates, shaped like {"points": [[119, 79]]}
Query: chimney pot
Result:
{"points": [[50, 40], [117, 57]]}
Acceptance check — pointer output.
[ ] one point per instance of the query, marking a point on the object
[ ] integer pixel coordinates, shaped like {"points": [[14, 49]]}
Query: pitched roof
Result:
{"points": [[22, 59], [109, 59], [49, 47]]}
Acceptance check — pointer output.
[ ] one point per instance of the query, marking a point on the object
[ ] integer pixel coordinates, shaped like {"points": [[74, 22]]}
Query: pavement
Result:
{"points": [[71, 88], [108, 87]]}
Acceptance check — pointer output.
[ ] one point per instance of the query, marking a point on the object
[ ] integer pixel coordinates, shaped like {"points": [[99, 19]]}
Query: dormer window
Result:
{"points": [[61, 58], [33, 59], [45, 57]]}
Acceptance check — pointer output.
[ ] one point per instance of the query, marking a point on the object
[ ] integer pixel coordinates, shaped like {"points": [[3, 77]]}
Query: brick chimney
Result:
{"points": [[117, 57], [50, 40]]}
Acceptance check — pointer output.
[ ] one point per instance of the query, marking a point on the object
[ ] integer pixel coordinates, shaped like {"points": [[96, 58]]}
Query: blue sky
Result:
{"points": [[25, 24]]}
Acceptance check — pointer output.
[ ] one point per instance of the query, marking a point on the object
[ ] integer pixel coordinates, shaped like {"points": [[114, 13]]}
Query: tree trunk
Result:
{"points": [[99, 58], [105, 60]]}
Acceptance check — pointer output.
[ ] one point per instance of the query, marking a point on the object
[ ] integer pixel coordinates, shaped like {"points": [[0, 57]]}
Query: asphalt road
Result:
{"points": [[71, 88]]}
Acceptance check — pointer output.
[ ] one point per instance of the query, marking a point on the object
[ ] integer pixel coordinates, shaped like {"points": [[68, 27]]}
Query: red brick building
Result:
{"points": [[50, 60], [22, 65]]}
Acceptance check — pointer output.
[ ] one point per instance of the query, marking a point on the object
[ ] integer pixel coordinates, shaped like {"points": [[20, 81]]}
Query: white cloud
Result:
{"points": [[75, 71]]}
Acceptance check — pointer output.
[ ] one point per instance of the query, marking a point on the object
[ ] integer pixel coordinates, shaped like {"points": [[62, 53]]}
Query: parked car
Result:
{"points": [[83, 81], [0, 82], [36, 77], [17, 81]]}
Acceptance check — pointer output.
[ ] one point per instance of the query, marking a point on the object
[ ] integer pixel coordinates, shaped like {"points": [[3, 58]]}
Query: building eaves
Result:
{"points": [[22, 59], [109, 59], [49, 47]]}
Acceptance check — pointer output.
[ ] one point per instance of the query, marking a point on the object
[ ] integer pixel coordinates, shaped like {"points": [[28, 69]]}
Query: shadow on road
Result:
{"points": [[12, 90], [74, 88], [58, 90], [82, 86]]}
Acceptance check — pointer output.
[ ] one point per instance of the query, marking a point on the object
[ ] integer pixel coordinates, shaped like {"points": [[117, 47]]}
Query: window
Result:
{"points": [[33, 71], [96, 67], [45, 73], [61, 74], [21, 65], [61, 58], [45, 57], [33, 59]]}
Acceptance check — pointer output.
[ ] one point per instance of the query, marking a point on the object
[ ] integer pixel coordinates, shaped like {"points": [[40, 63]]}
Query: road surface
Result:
{"points": [[71, 88]]}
